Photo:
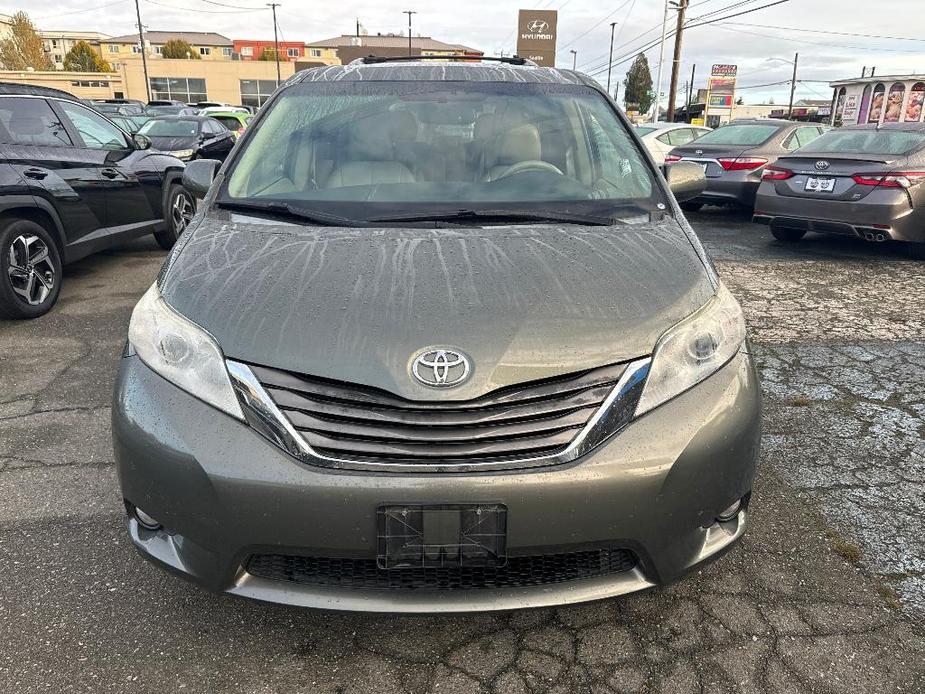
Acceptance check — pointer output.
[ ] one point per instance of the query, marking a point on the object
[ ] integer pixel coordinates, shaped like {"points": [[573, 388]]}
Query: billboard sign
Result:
{"points": [[721, 90], [536, 36]]}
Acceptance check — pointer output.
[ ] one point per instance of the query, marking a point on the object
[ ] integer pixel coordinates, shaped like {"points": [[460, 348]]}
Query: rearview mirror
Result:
{"points": [[198, 175], [141, 141], [686, 180]]}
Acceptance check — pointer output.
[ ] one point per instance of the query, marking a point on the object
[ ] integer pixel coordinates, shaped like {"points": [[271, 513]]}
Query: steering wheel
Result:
{"points": [[529, 165]]}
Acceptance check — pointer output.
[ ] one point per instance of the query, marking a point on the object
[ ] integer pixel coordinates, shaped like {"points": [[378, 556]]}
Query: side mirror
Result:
{"points": [[686, 180], [141, 141], [198, 175]]}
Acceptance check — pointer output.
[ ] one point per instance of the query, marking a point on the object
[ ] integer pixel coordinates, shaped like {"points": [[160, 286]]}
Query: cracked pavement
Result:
{"points": [[825, 593]]}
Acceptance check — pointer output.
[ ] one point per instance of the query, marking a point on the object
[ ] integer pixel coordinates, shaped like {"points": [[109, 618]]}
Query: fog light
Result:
{"points": [[730, 513], [146, 521]]}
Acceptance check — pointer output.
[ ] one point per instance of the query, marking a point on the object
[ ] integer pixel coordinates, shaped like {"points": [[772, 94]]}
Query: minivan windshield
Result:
{"points": [[739, 135], [868, 142], [367, 150]]}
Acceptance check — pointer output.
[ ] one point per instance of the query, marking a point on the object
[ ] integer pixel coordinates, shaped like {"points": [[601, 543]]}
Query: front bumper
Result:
{"points": [[223, 493]]}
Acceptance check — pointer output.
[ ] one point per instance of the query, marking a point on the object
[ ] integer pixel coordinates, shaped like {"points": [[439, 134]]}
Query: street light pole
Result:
{"points": [[793, 85], [661, 61], [273, 6], [574, 58], [610, 59], [409, 13], [141, 43]]}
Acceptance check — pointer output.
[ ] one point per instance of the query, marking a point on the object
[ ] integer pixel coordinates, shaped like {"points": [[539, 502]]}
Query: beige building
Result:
{"points": [[207, 45], [348, 47], [229, 81], [58, 43]]}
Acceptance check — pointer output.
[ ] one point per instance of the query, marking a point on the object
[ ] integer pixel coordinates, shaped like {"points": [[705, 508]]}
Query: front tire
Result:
{"points": [[179, 208], [30, 270], [788, 235]]}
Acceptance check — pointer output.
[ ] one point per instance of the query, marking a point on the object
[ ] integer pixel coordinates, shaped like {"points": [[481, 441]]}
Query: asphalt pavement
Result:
{"points": [[825, 594]]}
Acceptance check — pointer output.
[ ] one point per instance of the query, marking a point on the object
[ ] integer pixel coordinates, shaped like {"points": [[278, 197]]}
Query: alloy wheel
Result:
{"points": [[181, 212], [31, 272]]}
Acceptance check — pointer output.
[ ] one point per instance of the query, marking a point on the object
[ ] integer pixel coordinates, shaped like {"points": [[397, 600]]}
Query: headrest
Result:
{"points": [[519, 144]]}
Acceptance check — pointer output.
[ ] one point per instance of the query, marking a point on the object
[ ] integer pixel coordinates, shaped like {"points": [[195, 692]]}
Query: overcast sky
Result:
{"points": [[584, 25]]}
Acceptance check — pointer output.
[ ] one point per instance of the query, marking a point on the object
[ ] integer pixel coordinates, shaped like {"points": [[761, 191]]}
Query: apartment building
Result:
{"points": [[252, 49], [206, 44], [58, 43]]}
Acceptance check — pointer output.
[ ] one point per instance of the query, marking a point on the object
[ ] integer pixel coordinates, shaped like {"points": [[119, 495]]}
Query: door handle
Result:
{"points": [[35, 174], [110, 173]]}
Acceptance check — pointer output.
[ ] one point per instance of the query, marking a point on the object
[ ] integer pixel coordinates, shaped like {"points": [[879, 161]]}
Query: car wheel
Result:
{"points": [[178, 211], [788, 235], [916, 251], [691, 206], [30, 270]]}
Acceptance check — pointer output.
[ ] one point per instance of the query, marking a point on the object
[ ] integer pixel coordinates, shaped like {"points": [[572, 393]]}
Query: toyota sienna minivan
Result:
{"points": [[438, 339]]}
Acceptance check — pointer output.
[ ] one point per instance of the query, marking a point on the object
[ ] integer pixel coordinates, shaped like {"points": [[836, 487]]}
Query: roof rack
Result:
{"points": [[510, 60]]}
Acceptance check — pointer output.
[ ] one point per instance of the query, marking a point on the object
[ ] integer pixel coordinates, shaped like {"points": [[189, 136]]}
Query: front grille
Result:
{"points": [[543, 569], [355, 422]]}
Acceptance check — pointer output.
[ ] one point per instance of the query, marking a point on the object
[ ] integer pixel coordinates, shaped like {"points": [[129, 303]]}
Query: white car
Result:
{"points": [[661, 138], [222, 109]]}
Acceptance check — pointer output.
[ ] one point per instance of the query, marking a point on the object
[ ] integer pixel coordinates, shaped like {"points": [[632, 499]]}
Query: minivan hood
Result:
{"points": [[357, 304]]}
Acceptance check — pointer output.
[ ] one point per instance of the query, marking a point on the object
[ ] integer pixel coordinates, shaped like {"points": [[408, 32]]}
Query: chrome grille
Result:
{"points": [[347, 421]]}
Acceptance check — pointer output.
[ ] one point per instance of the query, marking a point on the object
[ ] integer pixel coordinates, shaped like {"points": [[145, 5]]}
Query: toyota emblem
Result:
{"points": [[441, 368], [822, 165], [537, 26]]}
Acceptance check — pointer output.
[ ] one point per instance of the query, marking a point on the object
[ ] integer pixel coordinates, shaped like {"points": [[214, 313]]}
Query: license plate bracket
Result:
{"points": [[815, 184], [441, 535]]}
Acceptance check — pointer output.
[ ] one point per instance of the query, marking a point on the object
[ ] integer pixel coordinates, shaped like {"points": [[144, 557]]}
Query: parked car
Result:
{"points": [[866, 181], [400, 366], [166, 102], [235, 121], [661, 138], [72, 183], [209, 110], [189, 137], [130, 124], [171, 110], [734, 155], [119, 109]]}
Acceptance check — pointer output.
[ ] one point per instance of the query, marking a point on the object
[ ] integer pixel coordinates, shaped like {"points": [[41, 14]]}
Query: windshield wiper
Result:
{"points": [[286, 208], [465, 215]]}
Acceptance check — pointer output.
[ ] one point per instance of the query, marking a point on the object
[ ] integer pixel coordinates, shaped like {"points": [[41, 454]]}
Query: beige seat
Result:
{"points": [[370, 156], [513, 146]]}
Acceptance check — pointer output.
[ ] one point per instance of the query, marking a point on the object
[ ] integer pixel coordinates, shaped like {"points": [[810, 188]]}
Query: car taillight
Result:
{"points": [[742, 163], [776, 173], [671, 158], [894, 179]]}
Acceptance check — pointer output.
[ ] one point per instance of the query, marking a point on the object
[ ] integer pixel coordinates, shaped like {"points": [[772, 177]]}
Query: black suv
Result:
{"points": [[73, 183]]}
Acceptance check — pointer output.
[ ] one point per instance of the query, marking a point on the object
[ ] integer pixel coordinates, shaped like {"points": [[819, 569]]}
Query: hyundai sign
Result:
{"points": [[536, 36]]}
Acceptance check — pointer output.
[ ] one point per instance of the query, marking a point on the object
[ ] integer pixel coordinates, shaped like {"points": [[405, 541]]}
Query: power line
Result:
{"points": [[834, 33], [88, 9], [816, 43], [189, 9], [592, 27]]}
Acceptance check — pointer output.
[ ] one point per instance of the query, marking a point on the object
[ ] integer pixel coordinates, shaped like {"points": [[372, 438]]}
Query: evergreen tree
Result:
{"points": [[82, 58], [23, 49], [638, 85], [179, 49]]}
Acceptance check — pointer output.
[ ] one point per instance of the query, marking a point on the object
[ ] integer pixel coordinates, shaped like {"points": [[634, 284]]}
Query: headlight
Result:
{"points": [[183, 154], [181, 352], [694, 349]]}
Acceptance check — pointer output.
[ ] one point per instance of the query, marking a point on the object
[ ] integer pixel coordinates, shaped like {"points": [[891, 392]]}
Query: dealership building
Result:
{"points": [[878, 99]]}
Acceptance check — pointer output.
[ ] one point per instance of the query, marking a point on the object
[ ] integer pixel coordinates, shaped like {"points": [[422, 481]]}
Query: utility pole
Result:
{"points": [[409, 13], [141, 43], [574, 58], [610, 59], [273, 6], [793, 85], [690, 93], [661, 61], [676, 63]]}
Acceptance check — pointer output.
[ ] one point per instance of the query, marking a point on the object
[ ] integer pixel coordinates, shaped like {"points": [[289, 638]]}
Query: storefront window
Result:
{"points": [[894, 103], [876, 104], [256, 92], [865, 105], [186, 89], [840, 106], [913, 112]]}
